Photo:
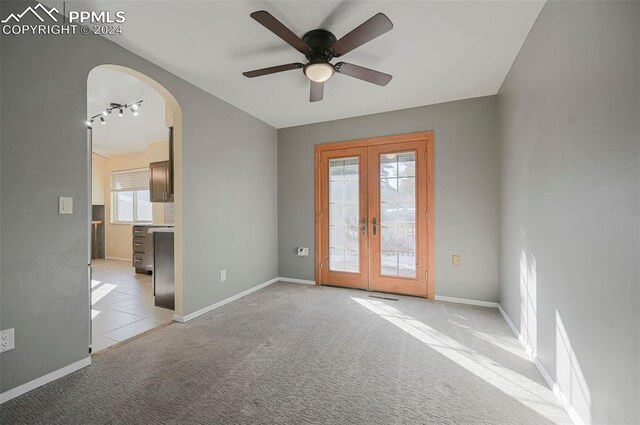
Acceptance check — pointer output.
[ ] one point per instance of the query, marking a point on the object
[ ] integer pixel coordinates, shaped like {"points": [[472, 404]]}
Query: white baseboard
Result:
{"points": [[49, 377], [219, 304], [562, 398], [117, 259], [466, 301], [292, 280]]}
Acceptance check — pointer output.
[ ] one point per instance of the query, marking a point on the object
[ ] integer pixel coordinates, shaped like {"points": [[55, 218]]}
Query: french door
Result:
{"points": [[374, 221]]}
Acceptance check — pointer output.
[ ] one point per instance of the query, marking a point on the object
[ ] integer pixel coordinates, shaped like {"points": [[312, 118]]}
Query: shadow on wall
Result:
{"points": [[528, 301], [570, 385]]}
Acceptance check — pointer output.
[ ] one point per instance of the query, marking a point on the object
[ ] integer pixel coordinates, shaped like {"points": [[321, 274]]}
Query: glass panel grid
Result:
{"points": [[398, 214], [344, 204]]}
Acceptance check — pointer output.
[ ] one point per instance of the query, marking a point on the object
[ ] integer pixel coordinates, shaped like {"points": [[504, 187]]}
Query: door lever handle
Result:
{"points": [[364, 226], [374, 226]]}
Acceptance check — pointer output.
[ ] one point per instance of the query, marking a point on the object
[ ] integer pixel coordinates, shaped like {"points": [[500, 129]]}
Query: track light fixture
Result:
{"points": [[133, 107]]}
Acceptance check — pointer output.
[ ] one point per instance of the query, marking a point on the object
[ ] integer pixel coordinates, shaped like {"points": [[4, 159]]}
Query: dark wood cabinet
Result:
{"points": [[163, 269], [160, 181], [161, 176]]}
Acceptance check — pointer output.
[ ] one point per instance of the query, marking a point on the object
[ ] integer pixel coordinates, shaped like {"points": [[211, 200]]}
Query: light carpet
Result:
{"points": [[298, 354]]}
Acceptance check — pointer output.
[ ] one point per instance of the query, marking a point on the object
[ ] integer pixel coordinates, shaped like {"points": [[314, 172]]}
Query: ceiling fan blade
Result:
{"points": [[362, 73], [272, 70], [278, 28], [367, 31], [317, 91]]}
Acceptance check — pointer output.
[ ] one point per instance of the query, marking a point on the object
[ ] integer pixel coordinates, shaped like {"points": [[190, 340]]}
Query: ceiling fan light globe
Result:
{"points": [[319, 72]]}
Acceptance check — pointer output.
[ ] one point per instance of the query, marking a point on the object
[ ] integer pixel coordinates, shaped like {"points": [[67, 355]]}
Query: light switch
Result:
{"points": [[65, 205], [455, 261]]}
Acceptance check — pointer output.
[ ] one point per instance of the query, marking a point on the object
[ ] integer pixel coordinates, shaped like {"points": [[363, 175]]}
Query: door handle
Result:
{"points": [[374, 226], [364, 226]]}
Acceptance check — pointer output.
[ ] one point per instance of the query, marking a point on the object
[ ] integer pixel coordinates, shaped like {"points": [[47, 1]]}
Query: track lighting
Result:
{"points": [[134, 107]]}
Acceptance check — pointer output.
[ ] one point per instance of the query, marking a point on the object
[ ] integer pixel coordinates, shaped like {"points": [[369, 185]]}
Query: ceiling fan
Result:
{"points": [[320, 46]]}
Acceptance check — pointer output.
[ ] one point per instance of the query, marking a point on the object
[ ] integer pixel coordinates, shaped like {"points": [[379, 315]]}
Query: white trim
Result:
{"points": [[292, 280], [207, 309], [117, 258], [562, 398], [49, 377], [466, 301]]}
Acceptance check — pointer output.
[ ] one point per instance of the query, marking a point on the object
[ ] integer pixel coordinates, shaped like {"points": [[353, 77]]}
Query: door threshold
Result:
{"points": [[133, 338]]}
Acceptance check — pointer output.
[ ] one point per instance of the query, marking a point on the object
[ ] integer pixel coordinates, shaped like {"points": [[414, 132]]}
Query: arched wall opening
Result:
{"points": [[173, 116]]}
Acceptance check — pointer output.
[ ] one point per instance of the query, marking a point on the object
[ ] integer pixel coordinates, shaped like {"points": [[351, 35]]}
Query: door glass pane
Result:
{"points": [[344, 201], [398, 214]]}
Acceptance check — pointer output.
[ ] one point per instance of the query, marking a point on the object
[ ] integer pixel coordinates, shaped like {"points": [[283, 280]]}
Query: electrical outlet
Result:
{"points": [[455, 261], [303, 252], [223, 275], [6, 340]]}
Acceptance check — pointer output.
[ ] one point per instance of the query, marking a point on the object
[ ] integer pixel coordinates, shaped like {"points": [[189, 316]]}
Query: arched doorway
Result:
{"points": [[136, 135]]}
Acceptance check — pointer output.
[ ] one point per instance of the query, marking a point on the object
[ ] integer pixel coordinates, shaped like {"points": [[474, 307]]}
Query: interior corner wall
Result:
{"points": [[466, 189], [229, 163], [569, 113]]}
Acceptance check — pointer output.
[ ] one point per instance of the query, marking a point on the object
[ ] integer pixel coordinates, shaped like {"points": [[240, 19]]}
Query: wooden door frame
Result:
{"points": [[428, 138]]}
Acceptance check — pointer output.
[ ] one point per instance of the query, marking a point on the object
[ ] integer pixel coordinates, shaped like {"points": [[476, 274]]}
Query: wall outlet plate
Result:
{"points": [[303, 252], [455, 261], [6, 340], [223, 275]]}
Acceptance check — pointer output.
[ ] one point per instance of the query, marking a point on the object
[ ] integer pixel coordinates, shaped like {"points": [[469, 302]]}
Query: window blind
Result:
{"points": [[122, 181]]}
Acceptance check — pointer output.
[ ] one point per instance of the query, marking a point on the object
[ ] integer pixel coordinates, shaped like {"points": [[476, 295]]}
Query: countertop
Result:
{"points": [[161, 229]]}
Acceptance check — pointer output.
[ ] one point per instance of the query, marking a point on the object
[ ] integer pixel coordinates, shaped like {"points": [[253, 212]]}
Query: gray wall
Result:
{"points": [[570, 229], [466, 189], [230, 173]]}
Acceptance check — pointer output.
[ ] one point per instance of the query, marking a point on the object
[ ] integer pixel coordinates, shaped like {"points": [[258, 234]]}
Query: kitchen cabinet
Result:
{"points": [[161, 176], [142, 248], [163, 268], [160, 184]]}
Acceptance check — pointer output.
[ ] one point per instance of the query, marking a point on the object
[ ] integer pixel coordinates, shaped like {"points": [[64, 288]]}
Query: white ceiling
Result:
{"points": [[128, 133], [438, 51]]}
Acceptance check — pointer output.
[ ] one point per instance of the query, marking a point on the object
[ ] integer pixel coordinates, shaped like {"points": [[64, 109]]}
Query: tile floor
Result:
{"points": [[122, 304]]}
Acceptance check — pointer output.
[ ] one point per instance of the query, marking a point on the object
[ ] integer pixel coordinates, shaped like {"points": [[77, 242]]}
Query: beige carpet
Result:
{"points": [[298, 354]]}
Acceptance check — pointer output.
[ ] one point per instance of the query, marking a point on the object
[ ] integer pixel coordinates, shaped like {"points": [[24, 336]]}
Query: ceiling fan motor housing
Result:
{"points": [[320, 41]]}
